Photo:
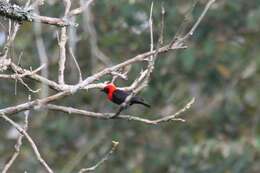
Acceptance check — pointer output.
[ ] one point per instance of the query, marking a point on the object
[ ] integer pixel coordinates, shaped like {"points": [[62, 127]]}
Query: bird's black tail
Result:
{"points": [[137, 100]]}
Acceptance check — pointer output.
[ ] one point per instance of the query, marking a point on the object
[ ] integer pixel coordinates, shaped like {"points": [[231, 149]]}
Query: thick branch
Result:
{"points": [[62, 43], [28, 105], [14, 12], [20, 14]]}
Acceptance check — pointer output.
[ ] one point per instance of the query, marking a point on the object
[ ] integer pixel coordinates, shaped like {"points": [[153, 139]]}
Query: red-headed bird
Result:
{"points": [[118, 96]]}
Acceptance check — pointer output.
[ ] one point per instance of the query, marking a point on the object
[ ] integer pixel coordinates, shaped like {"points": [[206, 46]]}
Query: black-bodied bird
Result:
{"points": [[118, 96]]}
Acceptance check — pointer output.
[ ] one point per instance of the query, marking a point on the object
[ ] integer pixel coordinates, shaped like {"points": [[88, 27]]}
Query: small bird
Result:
{"points": [[118, 96]]}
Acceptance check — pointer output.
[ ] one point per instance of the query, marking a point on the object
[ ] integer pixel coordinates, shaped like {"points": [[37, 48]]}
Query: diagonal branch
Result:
{"points": [[28, 105], [30, 140], [109, 153], [178, 41], [77, 64], [90, 30], [17, 145]]}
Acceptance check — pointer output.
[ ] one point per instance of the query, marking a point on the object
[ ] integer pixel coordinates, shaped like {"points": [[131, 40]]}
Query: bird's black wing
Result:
{"points": [[119, 96]]}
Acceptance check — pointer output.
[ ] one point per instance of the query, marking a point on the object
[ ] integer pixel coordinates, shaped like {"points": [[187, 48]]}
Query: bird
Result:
{"points": [[118, 96]]}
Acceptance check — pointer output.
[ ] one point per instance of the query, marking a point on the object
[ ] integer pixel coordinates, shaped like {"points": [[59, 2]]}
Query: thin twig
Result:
{"points": [[90, 30], [151, 27], [179, 41], [77, 65], [19, 77], [15, 83], [79, 10], [36, 77], [75, 160], [109, 153], [120, 75], [4, 62], [199, 19]]}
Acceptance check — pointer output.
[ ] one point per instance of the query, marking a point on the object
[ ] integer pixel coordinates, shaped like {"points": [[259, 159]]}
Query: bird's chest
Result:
{"points": [[110, 96]]}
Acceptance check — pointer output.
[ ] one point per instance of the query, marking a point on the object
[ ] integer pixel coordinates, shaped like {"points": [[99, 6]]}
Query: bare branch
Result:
{"points": [[79, 10], [90, 30], [62, 58], [17, 146], [4, 62], [27, 86], [77, 65], [67, 4], [120, 75], [26, 73], [172, 117], [28, 105], [14, 12], [53, 21], [110, 152], [199, 19], [30, 140], [62, 43], [19, 77], [75, 160], [151, 27], [21, 14], [107, 116], [36, 77], [138, 58], [179, 41]]}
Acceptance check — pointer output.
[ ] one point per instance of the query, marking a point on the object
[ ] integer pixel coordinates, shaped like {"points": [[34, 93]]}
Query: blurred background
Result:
{"points": [[220, 69]]}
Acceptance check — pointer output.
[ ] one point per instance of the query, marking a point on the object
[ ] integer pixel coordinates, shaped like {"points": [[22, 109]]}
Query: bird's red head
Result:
{"points": [[109, 90]]}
